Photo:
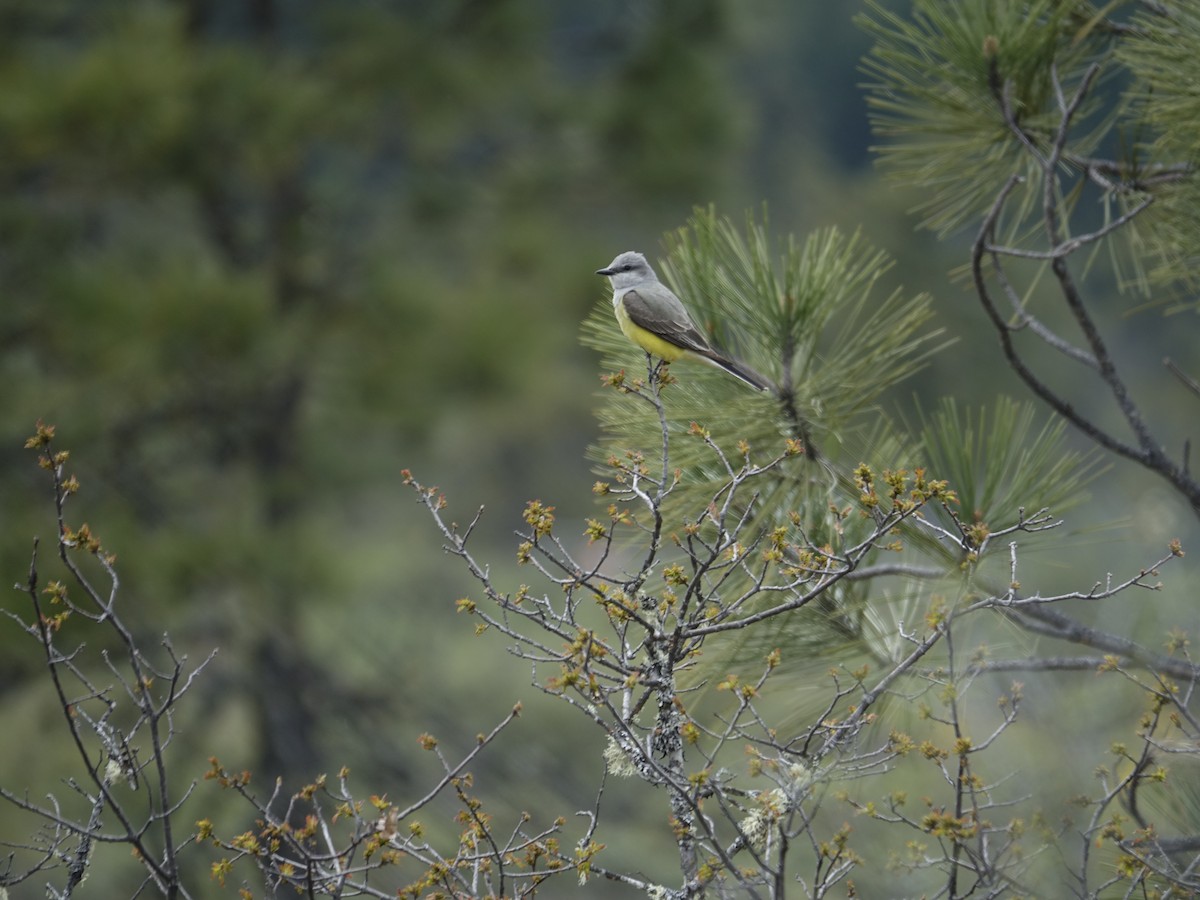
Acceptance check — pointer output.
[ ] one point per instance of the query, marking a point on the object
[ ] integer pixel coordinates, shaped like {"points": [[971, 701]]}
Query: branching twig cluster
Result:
{"points": [[1131, 184], [620, 641], [324, 841], [618, 633], [120, 718]]}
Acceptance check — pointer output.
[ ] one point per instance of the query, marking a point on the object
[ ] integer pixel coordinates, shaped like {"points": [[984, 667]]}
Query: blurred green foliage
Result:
{"points": [[1166, 67]]}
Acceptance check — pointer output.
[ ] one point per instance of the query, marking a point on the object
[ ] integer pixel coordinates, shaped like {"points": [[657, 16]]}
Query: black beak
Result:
{"points": [[604, 271]]}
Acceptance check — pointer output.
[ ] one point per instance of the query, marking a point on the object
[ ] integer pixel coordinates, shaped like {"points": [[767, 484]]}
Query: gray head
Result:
{"points": [[628, 270]]}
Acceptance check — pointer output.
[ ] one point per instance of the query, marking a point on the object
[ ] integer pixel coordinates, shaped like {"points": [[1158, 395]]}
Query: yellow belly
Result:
{"points": [[647, 340]]}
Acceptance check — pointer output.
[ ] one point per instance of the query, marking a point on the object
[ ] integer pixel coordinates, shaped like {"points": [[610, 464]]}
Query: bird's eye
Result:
{"points": [[626, 268]]}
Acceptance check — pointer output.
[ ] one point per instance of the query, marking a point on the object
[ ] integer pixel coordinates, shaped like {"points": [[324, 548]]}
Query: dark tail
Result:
{"points": [[739, 371]]}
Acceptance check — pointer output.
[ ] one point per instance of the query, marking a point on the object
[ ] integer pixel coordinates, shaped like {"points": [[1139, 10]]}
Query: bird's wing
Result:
{"points": [[659, 311]]}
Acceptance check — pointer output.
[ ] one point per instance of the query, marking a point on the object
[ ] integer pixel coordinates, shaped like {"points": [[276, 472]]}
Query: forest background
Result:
{"points": [[257, 257]]}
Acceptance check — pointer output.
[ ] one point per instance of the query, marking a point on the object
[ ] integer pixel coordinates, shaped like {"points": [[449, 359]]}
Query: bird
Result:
{"points": [[656, 320]]}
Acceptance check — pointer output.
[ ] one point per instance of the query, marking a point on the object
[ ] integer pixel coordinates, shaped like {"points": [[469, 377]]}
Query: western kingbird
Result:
{"points": [[654, 319]]}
